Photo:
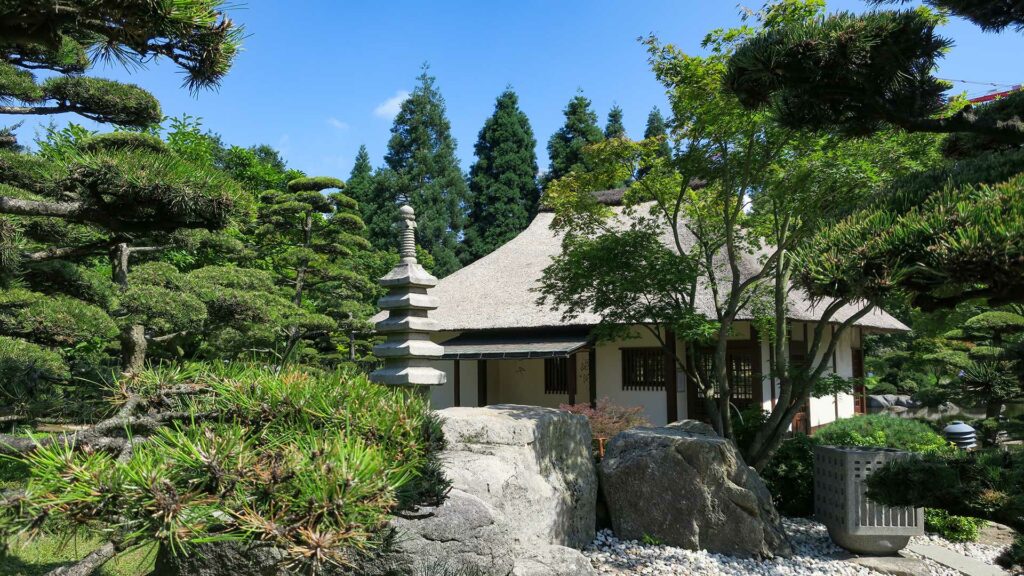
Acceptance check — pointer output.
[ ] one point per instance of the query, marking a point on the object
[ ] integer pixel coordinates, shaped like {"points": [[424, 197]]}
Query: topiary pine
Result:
{"points": [[313, 242], [934, 235]]}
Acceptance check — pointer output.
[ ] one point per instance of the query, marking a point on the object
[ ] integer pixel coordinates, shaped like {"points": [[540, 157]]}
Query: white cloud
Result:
{"points": [[337, 123], [390, 107]]}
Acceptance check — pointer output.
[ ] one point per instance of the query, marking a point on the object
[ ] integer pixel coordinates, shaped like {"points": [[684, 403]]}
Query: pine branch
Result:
{"points": [[89, 564]]}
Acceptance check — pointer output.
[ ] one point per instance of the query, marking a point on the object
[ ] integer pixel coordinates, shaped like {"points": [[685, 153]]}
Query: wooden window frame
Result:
{"points": [[653, 377], [556, 376]]}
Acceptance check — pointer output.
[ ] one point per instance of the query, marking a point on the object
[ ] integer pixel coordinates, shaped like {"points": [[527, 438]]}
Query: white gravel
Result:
{"points": [[815, 554]]}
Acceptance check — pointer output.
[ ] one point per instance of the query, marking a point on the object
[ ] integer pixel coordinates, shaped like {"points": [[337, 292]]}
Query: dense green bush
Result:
{"points": [[882, 431], [953, 528], [790, 473], [789, 476], [314, 464]]}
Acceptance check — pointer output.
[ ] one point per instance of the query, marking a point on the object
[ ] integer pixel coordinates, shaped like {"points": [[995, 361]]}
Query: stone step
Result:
{"points": [[950, 559]]}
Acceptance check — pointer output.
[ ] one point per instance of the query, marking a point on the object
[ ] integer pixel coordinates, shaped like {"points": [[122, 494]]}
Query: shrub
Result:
{"points": [[608, 419], [314, 464], [789, 476], [952, 528], [790, 473], [881, 431]]}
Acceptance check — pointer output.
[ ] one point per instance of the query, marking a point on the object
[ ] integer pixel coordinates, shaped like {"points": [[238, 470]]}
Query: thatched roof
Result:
{"points": [[497, 291]]}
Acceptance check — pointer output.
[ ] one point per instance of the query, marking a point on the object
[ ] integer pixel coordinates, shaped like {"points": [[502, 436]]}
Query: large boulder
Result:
{"points": [[524, 492], [464, 532], [532, 464], [690, 488]]}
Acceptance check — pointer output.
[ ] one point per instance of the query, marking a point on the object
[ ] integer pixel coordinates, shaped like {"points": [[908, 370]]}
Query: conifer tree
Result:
{"points": [[657, 127], [503, 180], [311, 239], [359, 185], [614, 127], [566, 145], [422, 170]]}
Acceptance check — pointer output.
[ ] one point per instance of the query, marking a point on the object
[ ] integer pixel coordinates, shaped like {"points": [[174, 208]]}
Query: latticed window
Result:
{"points": [[741, 375], [556, 380], [643, 369]]}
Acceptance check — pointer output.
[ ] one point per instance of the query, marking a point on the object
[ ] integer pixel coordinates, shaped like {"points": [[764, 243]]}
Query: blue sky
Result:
{"points": [[316, 77]]}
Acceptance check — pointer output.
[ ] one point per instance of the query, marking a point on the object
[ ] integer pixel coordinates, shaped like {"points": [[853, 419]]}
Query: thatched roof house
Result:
{"points": [[501, 346]]}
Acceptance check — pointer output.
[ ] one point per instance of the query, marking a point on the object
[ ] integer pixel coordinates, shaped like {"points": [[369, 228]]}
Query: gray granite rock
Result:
{"points": [[690, 490], [532, 464]]}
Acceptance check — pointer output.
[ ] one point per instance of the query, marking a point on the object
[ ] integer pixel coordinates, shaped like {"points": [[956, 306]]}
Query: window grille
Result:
{"points": [[555, 379], [643, 369]]}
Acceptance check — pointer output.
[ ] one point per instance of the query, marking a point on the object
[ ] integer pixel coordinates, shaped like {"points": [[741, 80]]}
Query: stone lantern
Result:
{"points": [[408, 353], [963, 436]]}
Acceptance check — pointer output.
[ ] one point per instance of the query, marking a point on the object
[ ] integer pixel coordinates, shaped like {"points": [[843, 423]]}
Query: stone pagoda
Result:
{"points": [[408, 352]]}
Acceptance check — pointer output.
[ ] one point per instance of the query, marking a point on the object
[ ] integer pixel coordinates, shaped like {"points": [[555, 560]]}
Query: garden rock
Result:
{"points": [[690, 490], [532, 464], [553, 561], [221, 559], [464, 532]]}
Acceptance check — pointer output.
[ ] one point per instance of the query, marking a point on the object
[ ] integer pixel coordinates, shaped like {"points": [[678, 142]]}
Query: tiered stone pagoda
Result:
{"points": [[408, 352]]}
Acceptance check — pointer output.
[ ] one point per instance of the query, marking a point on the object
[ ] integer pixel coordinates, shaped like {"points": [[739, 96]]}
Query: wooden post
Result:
{"points": [[592, 375], [671, 401], [570, 377], [457, 384], [481, 382]]}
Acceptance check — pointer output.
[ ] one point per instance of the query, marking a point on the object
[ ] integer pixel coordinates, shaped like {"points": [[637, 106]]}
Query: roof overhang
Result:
{"points": [[514, 346]]}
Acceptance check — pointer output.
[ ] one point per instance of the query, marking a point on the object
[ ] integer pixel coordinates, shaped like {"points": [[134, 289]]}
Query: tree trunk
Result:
{"points": [[993, 408], [133, 348], [119, 255]]}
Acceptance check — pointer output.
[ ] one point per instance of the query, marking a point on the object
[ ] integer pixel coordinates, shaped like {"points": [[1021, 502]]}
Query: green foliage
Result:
{"points": [[657, 127], [328, 456], [985, 484], [565, 147], [614, 128], [503, 180], [194, 34], [882, 431], [952, 528], [845, 71], [423, 171], [789, 476], [104, 101]]}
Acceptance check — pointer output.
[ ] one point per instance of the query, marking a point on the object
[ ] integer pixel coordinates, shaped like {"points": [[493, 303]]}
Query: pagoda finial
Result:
{"points": [[408, 353], [407, 248]]}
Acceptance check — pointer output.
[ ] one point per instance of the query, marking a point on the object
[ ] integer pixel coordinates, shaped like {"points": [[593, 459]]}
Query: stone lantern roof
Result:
{"points": [[408, 352]]}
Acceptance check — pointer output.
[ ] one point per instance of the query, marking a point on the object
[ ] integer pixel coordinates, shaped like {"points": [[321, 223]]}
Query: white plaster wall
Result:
{"points": [[522, 382], [443, 396], [609, 379]]}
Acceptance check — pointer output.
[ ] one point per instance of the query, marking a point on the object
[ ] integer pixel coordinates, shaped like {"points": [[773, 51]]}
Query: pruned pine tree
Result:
{"points": [[565, 147], [503, 181], [422, 170], [57, 217], [312, 240], [936, 235]]}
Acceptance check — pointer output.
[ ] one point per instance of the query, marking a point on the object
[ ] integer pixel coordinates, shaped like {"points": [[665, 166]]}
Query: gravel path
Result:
{"points": [[815, 555]]}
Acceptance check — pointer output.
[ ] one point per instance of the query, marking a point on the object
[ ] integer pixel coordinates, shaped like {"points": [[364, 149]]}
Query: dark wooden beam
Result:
{"points": [[570, 377], [592, 375], [671, 400], [481, 382], [457, 384]]}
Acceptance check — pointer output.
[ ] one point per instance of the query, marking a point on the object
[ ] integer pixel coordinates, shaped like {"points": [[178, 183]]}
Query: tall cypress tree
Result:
{"points": [[566, 145], [503, 180], [422, 170], [614, 127], [359, 186], [657, 126]]}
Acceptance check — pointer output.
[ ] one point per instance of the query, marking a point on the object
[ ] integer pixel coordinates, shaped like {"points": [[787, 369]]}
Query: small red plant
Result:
{"points": [[608, 419]]}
